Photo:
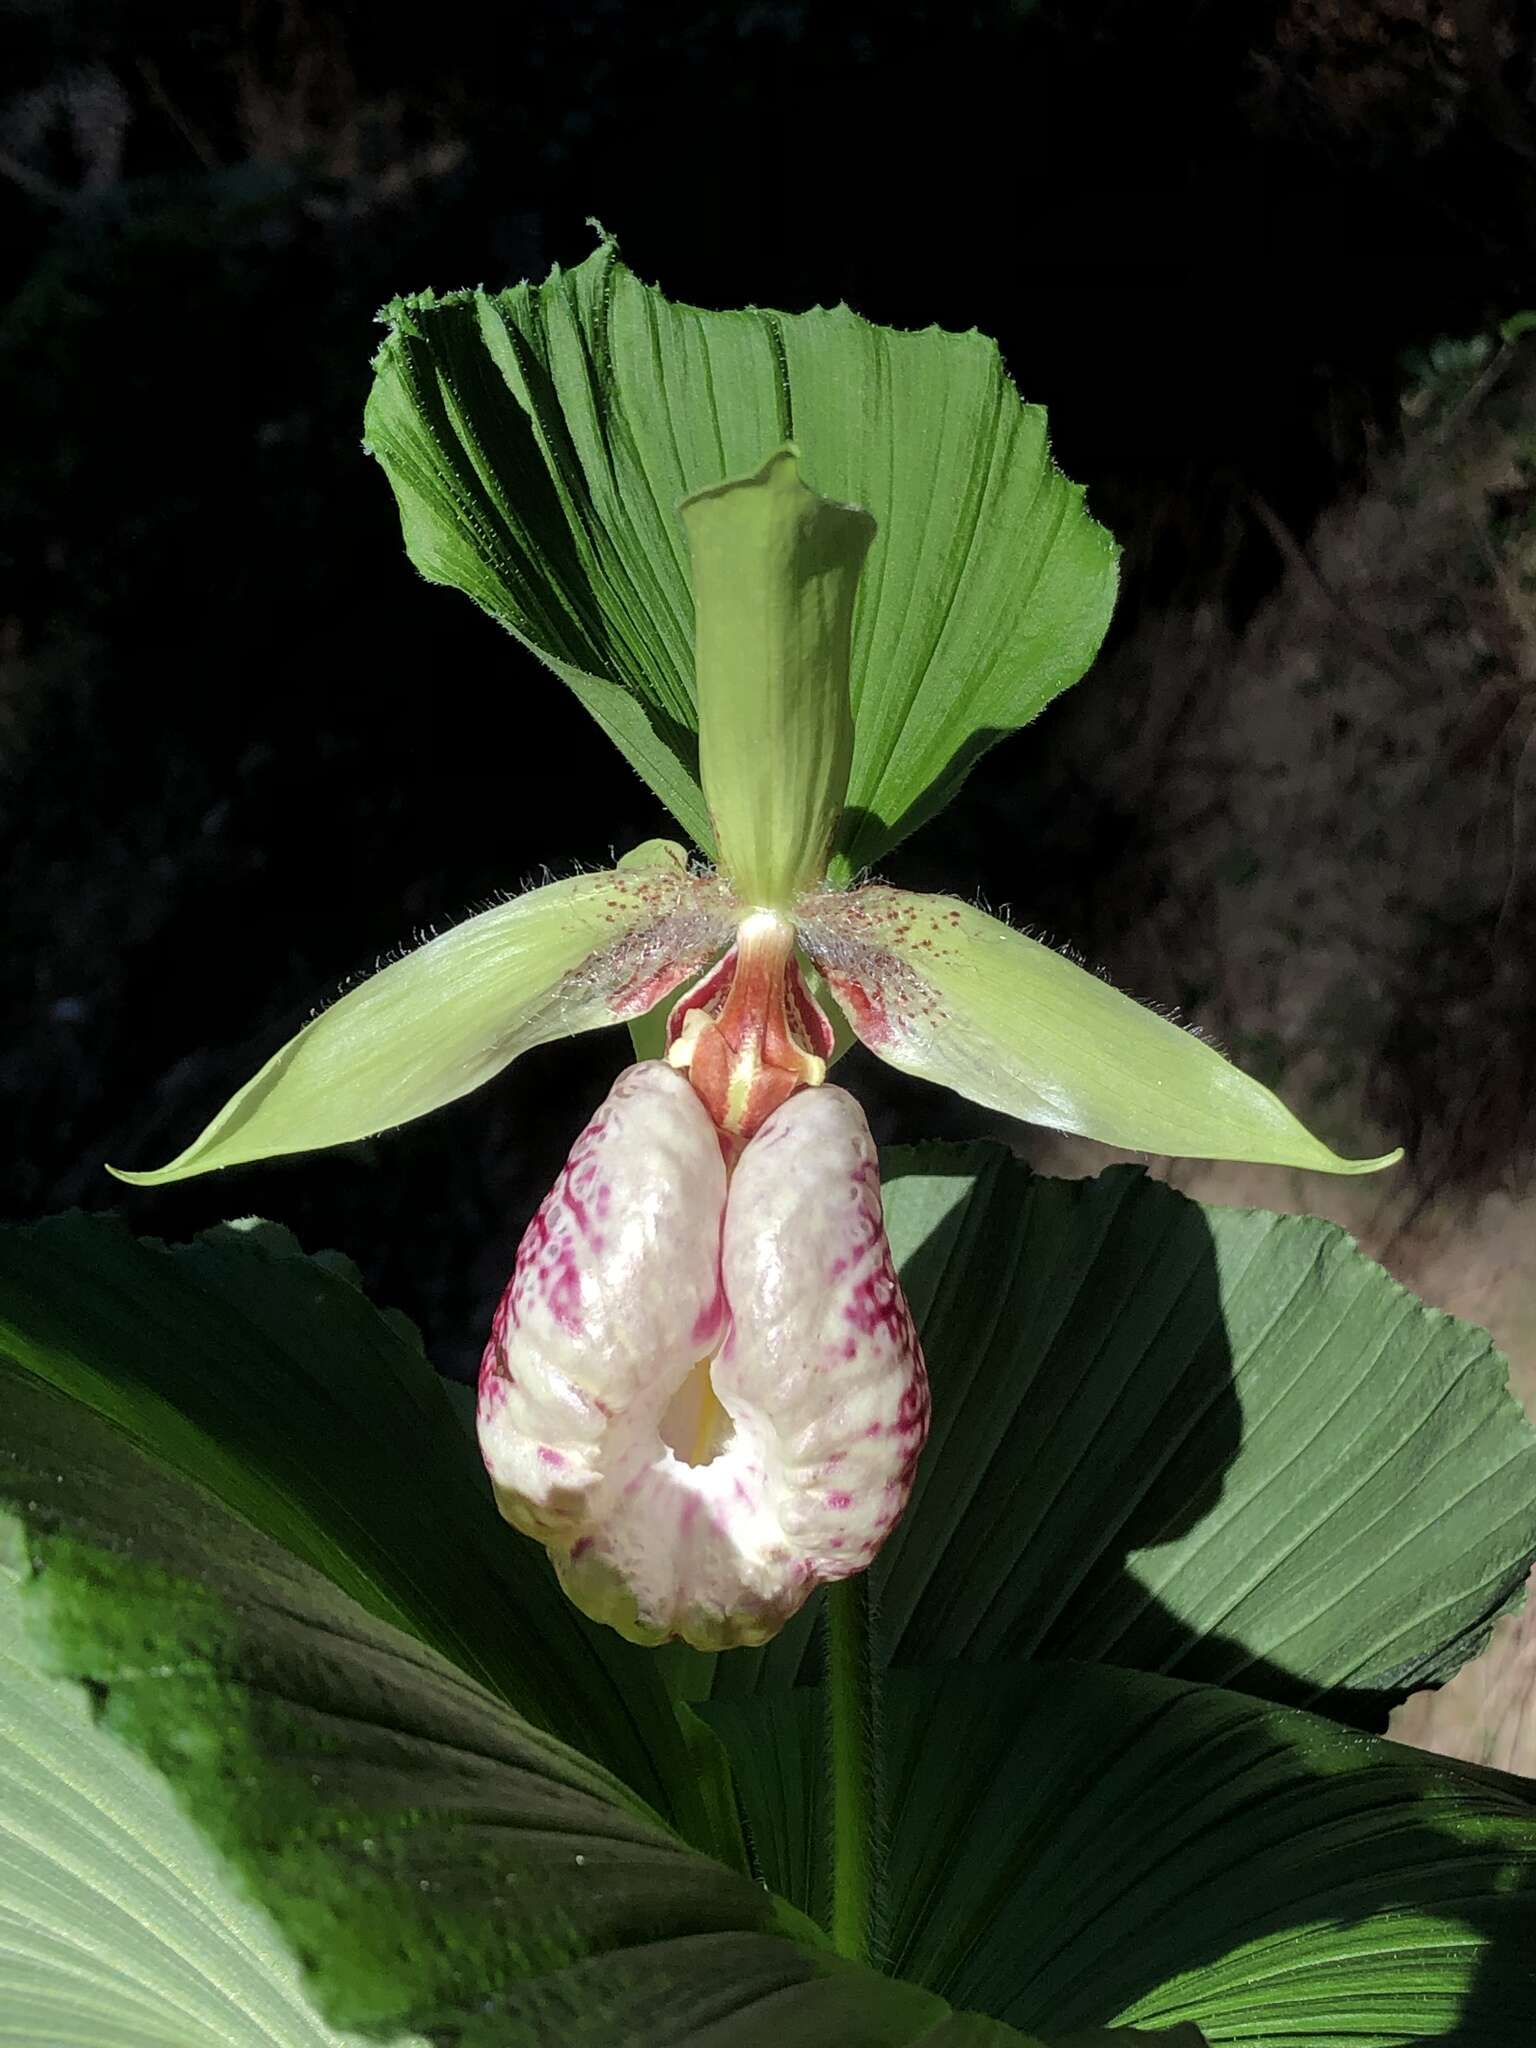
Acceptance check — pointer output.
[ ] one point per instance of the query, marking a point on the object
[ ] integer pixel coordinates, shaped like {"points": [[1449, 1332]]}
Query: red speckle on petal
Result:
{"points": [[866, 1010], [646, 990], [550, 1457], [494, 1383], [563, 1293], [839, 1500], [913, 1411]]}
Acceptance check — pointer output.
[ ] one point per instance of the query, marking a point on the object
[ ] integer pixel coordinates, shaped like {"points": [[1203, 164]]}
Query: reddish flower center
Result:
{"points": [[750, 1033]]}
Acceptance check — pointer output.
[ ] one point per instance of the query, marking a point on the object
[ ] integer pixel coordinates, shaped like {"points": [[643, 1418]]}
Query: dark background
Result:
{"points": [[246, 751]]}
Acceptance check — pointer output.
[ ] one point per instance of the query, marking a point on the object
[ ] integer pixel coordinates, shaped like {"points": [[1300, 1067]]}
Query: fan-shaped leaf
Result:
{"points": [[540, 440], [1212, 1442]]}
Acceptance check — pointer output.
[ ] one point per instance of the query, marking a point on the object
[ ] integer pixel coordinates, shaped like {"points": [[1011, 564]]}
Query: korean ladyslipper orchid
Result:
{"points": [[703, 1392]]}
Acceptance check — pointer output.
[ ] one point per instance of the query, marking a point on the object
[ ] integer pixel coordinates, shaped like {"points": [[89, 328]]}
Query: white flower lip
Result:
{"points": [[664, 1311]]}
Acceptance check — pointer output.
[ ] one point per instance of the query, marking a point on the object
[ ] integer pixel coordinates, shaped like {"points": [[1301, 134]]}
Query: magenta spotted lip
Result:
{"points": [[684, 1491]]}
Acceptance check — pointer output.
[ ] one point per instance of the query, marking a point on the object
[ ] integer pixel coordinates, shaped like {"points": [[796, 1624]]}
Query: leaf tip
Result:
{"points": [[148, 1179], [1357, 1166]]}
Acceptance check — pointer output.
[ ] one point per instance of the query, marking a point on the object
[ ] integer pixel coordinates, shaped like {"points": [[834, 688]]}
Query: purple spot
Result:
{"points": [[581, 1546], [839, 1500], [549, 1457], [710, 1320], [912, 1415], [563, 1294]]}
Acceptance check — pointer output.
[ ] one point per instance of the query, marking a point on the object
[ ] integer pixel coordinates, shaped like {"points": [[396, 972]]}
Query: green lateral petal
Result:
{"points": [[944, 991], [775, 573], [540, 440], [575, 955]]}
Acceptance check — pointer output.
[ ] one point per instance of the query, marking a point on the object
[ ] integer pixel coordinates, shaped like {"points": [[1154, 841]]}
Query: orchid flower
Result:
{"points": [[703, 1390]]}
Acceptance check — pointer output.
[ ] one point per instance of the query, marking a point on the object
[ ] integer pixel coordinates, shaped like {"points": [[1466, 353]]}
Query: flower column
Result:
{"points": [[703, 1390]]}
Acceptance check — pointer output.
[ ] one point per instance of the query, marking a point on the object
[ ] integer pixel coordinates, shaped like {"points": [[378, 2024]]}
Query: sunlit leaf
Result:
{"points": [[540, 441], [596, 949], [118, 1926], [1210, 1442], [1213, 1442], [942, 990]]}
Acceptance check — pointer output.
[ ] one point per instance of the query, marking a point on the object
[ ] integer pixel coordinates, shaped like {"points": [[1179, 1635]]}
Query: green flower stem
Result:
{"points": [[850, 1697]]}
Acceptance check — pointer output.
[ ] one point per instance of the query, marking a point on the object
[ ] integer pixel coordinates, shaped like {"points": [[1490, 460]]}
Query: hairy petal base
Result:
{"points": [[572, 956], [946, 992]]}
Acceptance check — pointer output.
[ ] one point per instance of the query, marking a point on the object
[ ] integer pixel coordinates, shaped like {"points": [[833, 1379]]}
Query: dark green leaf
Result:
{"points": [[1072, 1846], [272, 1381], [435, 1863]]}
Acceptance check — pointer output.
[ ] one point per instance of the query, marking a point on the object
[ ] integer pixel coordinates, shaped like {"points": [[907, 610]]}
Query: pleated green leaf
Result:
{"points": [[540, 441], [1082, 1847], [1210, 1442], [575, 955], [942, 990], [270, 1379], [119, 1927], [438, 1866]]}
